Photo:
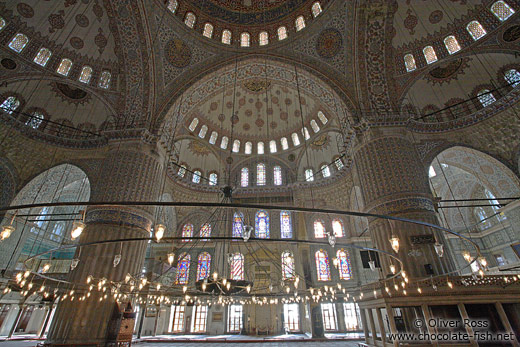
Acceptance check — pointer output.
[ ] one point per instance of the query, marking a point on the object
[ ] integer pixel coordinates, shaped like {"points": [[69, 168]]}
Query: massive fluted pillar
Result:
{"points": [[130, 172]]}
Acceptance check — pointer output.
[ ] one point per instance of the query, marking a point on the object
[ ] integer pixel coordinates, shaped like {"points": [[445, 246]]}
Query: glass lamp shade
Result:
{"points": [[171, 258], [394, 242], [466, 256], [74, 263], [332, 240], [77, 229], [372, 265], [159, 231], [117, 260], [439, 249], [46, 268], [7, 230], [392, 268]]}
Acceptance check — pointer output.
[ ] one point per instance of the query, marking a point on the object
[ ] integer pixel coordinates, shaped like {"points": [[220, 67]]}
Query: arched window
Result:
{"points": [[260, 148], [236, 146], [245, 39], [319, 229], [203, 130], [224, 142], [262, 225], [213, 137], [190, 19], [226, 36], [213, 179], [64, 67], [183, 269], [287, 265], [2, 23], [277, 176], [300, 23], [512, 77], [172, 5], [35, 121], [482, 218], [485, 97], [315, 127], [244, 177], [305, 133], [452, 45], [502, 10], [193, 124], [282, 33], [18, 42], [316, 9], [285, 143], [187, 231], [208, 30], [322, 265], [495, 205], [339, 163], [343, 265], [182, 171], [476, 30], [86, 74], [309, 175], [205, 231], [295, 139], [196, 176], [409, 62], [325, 171], [203, 266], [248, 148], [323, 119], [238, 224], [272, 146], [104, 80], [260, 174], [43, 56], [237, 267], [337, 228], [285, 225], [429, 54], [10, 104], [263, 38]]}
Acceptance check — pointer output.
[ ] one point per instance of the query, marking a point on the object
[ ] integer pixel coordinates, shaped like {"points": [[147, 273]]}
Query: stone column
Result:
{"points": [[394, 182], [131, 171]]}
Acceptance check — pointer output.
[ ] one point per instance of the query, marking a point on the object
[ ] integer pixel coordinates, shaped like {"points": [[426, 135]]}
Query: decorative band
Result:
{"points": [[114, 215]]}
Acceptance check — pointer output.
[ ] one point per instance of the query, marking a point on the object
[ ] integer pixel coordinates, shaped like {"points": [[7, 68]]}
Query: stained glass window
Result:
{"points": [[248, 149], [203, 266], [190, 19], [476, 30], [104, 80], [213, 179], [182, 171], [187, 231], [452, 45], [429, 54], [409, 62], [337, 228], [236, 146], [196, 176], [263, 38], [213, 137], [325, 171], [343, 264], [203, 130], [238, 224], [244, 177], [300, 23], [319, 229], [35, 121], [43, 56], [237, 267], [262, 225], [512, 77], [282, 33], [277, 176], [315, 127], [502, 10], [193, 124], [285, 143], [224, 142], [86, 74], [10, 104], [205, 231], [183, 268], [208, 30], [172, 5], [339, 163], [485, 97], [260, 174], [323, 119], [309, 175], [316, 9], [272, 146], [64, 67], [287, 265], [18, 42], [295, 139], [285, 224], [2, 23], [260, 148], [245, 38], [322, 265], [226, 36]]}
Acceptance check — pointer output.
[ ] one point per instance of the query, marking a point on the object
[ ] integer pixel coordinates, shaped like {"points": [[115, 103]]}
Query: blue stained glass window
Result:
{"points": [[183, 269], [205, 231], [287, 265], [322, 265], [238, 224], [344, 264], [244, 177], [285, 224], [237, 267], [187, 231], [203, 266], [262, 225]]}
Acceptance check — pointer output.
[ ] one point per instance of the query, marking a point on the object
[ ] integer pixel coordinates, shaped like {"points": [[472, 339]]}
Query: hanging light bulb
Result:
{"points": [[204, 285], [19, 277], [158, 286], [394, 242], [392, 268], [335, 262], [228, 285], [128, 277], [171, 258], [372, 265], [466, 256], [159, 231], [483, 261], [77, 229], [439, 249], [7, 230], [46, 268], [26, 273], [74, 263], [117, 260], [248, 288], [184, 289], [215, 276]]}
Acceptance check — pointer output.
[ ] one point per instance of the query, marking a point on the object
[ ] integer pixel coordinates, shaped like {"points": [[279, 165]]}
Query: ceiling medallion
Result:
{"points": [[320, 142], [256, 85], [71, 94], [177, 53], [198, 149], [444, 72], [512, 33], [329, 43]]}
